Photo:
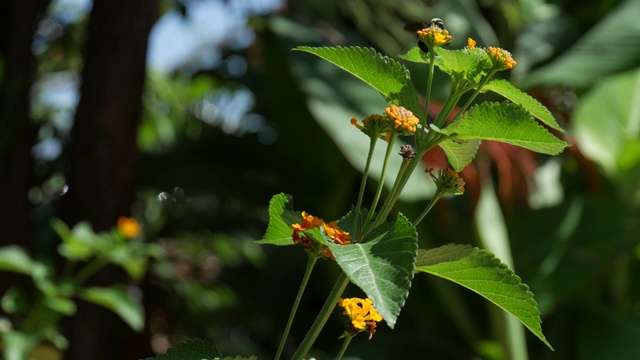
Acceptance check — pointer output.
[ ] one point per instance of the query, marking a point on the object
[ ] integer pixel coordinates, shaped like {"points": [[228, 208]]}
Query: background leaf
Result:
{"points": [[481, 272], [505, 122], [384, 74], [14, 258], [281, 216], [192, 349], [382, 266], [117, 300], [506, 89]]}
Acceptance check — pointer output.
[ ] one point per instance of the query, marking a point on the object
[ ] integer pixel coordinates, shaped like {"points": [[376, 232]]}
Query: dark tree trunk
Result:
{"points": [[103, 155], [18, 22]]}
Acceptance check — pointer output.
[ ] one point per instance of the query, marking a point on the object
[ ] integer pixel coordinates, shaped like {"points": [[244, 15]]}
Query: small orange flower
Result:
{"points": [[501, 58], [448, 182], [403, 119], [129, 227], [471, 43], [332, 230], [373, 125], [362, 316]]}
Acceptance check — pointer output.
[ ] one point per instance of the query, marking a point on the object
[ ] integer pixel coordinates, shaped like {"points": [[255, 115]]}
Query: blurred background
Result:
{"points": [[190, 114]]}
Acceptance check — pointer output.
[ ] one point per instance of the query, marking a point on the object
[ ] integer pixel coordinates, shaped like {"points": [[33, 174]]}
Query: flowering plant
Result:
{"points": [[378, 251]]}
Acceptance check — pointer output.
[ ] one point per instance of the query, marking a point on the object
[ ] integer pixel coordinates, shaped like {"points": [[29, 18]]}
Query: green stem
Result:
{"points": [[432, 64], [322, 317], [475, 93], [374, 204], [91, 268], [363, 183], [433, 201], [345, 345], [307, 274], [394, 193]]}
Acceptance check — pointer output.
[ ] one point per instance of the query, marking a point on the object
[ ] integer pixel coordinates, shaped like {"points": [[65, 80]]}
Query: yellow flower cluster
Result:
{"points": [[402, 119], [362, 315], [501, 58], [332, 230], [434, 36], [471, 43], [129, 227]]}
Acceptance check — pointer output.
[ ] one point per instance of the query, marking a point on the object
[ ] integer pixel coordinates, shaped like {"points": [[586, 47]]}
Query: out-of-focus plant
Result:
{"points": [[381, 257], [33, 317]]}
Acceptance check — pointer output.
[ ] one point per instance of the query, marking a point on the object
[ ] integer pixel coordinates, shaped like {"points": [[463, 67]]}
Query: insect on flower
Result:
{"points": [[415, 27]]}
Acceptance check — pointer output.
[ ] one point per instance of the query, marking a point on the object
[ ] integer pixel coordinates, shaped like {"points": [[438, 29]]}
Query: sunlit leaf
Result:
{"points": [[281, 216], [506, 89], [387, 76], [481, 272], [460, 153], [505, 122]]}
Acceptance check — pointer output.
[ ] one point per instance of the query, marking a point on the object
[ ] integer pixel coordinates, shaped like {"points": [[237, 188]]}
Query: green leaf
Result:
{"points": [[382, 265], [480, 271], [14, 258], [116, 299], [387, 76], [17, 345], [506, 89], [471, 63], [460, 153], [281, 216], [192, 349], [505, 122], [415, 55], [60, 304]]}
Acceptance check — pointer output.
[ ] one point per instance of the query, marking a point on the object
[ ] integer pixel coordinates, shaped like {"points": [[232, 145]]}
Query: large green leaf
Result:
{"points": [[481, 272], [505, 122], [192, 349], [117, 300], [460, 153], [469, 62], [281, 216], [382, 265], [14, 258], [506, 89], [387, 76]]}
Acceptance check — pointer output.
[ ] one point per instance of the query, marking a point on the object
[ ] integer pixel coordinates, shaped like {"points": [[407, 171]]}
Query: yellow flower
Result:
{"points": [[362, 316], [129, 227], [332, 230], [402, 119], [501, 58], [471, 43], [434, 36]]}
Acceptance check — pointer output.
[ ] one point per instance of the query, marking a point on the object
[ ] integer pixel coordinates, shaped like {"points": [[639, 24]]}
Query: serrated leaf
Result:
{"points": [[415, 55], [382, 265], [460, 153], [117, 300], [505, 122], [506, 89], [192, 349], [281, 216], [483, 273], [387, 76], [471, 63]]}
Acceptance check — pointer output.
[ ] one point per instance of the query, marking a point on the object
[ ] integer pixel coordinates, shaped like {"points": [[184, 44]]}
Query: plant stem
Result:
{"points": [[363, 183], [91, 268], [345, 345], [307, 274], [432, 63], [322, 317], [433, 201], [372, 209]]}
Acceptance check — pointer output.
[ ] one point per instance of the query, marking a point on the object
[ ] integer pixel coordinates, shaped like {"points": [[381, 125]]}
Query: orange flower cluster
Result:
{"points": [[434, 36], [501, 58], [129, 227], [403, 119], [332, 230]]}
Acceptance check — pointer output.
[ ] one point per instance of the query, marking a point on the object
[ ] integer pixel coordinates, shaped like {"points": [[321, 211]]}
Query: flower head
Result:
{"points": [[434, 36], [332, 230], [129, 227], [373, 125], [403, 120], [362, 316], [501, 58], [471, 43], [448, 182]]}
